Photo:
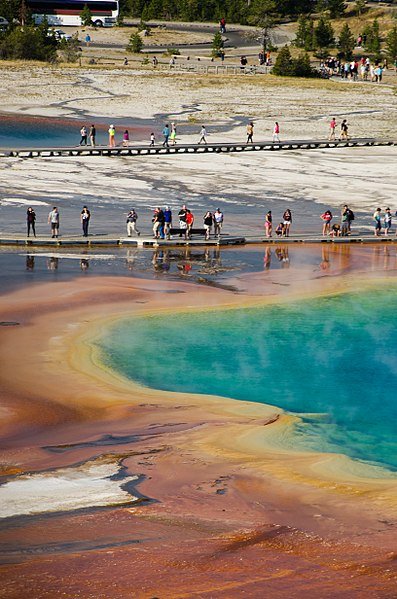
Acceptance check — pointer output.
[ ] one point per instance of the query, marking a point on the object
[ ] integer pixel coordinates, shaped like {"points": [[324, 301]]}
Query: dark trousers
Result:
{"points": [[85, 227], [33, 228], [83, 140]]}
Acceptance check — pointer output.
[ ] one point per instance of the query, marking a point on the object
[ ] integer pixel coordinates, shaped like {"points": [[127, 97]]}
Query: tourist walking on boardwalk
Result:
{"points": [[189, 222], [250, 132], [173, 134], [344, 130], [53, 220], [387, 221], [112, 133], [152, 139], [92, 135], [218, 222], [287, 222], [85, 220], [326, 217], [182, 220], [203, 135], [126, 138], [166, 133], [161, 221], [167, 222], [132, 217], [83, 133], [268, 224], [378, 222], [156, 223], [332, 127], [31, 220], [276, 132], [208, 221]]}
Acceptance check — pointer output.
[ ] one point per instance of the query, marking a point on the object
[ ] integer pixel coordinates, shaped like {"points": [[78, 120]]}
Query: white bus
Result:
{"points": [[67, 12]]}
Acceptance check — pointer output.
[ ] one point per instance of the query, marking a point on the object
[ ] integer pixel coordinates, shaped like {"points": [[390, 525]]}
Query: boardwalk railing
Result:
{"points": [[146, 150]]}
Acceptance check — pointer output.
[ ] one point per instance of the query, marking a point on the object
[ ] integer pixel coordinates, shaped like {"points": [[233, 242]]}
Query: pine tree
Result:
{"points": [[86, 16], [283, 65], [263, 14], [324, 34], [336, 8], [372, 37], [391, 44], [302, 33], [302, 66], [217, 44], [135, 44], [346, 42], [360, 7]]}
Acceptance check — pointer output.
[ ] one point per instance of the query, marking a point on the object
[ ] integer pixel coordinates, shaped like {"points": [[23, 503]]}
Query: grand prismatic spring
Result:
{"points": [[196, 421]]}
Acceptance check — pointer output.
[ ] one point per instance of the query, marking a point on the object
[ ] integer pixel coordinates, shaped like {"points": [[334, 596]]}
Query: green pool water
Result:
{"points": [[331, 360]]}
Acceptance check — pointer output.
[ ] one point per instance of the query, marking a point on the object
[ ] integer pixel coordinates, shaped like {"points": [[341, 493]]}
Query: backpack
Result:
{"points": [[351, 214]]}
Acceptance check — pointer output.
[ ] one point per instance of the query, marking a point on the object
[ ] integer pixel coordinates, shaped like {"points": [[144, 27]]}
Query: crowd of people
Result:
{"points": [[355, 69], [164, 227], [169, 133]]}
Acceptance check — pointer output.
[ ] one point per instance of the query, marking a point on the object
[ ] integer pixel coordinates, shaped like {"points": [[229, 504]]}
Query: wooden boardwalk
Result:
{"points": [[98, 241], [139, 150]]}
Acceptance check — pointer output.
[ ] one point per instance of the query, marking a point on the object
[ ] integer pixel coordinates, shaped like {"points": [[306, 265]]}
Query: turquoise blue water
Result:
{"points": [[333, 358]]}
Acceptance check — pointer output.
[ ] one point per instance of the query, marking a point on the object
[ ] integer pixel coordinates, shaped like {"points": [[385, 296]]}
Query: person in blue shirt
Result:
{"points": [[167, 222], [166, 133]]}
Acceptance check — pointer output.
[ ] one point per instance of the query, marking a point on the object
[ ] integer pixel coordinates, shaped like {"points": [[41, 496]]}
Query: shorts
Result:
{"points": [[378, 225], [287, 222], [54, 226]]}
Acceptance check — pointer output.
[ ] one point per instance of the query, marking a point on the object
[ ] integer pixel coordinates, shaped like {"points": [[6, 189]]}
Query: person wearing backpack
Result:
{"points": [[349, 217]]}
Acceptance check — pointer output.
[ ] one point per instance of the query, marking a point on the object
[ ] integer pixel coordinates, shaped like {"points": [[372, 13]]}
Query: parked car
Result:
{"points": [[3, 23], [59, 34]]}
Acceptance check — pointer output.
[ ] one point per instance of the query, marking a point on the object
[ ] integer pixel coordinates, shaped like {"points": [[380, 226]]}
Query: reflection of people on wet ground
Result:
{"points": [[52, 263], [84, 264], [325, 262], [130, 259], [283, 256], [161, 260], [29, 262], [267, 258], [268, 224], [208, 220], [31, 220]]}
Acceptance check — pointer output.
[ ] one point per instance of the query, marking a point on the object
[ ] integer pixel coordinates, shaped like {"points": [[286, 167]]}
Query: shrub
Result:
{"points": [[29, 43], [286, 66], [135, 44]]}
